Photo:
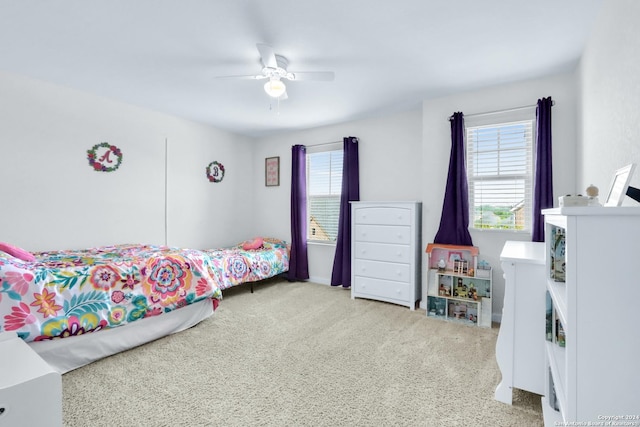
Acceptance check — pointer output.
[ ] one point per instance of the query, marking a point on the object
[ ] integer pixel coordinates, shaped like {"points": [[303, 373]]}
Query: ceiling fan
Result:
{"points": [[274, 68]]}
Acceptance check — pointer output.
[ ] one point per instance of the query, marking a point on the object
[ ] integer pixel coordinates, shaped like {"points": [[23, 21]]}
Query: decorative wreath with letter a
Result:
{"points": [[215, 172], [104, 157]]}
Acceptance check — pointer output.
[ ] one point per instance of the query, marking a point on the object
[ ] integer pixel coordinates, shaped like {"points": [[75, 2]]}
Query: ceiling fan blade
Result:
{"points": [[311, 75], [249, 77], [267, 55]]}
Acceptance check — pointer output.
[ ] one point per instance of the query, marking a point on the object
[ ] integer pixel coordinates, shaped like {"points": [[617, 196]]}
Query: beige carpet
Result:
{"points": [[301, 354]]}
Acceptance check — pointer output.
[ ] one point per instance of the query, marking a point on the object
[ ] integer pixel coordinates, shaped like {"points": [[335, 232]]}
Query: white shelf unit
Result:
{"points": [[592, 346], [385, 251], [454, 295], [520, 347]]}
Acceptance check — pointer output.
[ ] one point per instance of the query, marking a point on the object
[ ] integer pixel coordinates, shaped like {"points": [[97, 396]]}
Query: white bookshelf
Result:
{"points": [[592, 346]]}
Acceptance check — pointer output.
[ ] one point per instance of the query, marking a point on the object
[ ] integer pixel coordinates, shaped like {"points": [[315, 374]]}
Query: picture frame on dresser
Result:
{"points": [[619, 185]]}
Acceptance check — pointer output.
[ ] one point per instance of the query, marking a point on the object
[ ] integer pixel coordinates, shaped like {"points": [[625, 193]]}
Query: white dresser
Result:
{"points": [[386, 251], [520, 348]]}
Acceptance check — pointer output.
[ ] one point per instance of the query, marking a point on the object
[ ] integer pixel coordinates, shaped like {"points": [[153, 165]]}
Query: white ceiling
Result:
{"points": [[387, 55]]}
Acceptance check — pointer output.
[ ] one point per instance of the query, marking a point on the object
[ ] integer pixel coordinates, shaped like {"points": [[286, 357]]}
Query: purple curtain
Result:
{"points": [[454, 223], [341, 274], [298, 261], [543, 180]]}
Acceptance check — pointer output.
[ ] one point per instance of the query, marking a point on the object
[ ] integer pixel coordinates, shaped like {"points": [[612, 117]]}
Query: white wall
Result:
{"points": [[390, 154], [406, 156], [203, 214], [609, 119], [437, 148], [51, 199]]}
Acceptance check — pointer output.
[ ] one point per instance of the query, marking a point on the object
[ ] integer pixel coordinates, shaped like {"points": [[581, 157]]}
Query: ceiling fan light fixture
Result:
{"points": [[275, 88]]}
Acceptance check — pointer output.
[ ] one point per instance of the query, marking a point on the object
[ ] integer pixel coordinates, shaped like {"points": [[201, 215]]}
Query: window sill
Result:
{"points": [[499, 230], [320, 243]]}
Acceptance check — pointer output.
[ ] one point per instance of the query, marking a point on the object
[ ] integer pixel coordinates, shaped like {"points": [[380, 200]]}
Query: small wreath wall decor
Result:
{"points": [[100, 157], [215, 172]]}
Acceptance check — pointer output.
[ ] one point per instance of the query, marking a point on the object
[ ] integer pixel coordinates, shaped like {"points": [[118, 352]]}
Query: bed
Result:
{"points": [[64, 294], [249, 262], [130, 294]]}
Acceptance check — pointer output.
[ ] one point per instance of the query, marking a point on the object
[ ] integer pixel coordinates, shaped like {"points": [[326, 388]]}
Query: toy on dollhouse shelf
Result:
{"points": [[473, 293], [461, 266], [483, 270], [445, 286], [444, 290], [460, 311], [461, 289]]}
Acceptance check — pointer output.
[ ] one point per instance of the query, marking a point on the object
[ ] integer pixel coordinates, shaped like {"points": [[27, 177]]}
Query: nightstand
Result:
{"points": [[30, 390]]}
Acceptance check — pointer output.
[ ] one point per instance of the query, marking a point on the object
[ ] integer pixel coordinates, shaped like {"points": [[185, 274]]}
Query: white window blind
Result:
{"points": [[499, 173], [324, 186]]}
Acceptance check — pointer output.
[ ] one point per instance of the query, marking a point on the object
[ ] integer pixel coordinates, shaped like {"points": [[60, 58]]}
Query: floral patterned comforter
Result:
{"points": [[66, 293], [234, 266]]}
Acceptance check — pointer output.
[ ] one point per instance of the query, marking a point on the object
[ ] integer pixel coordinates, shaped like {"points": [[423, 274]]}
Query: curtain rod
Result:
{"points": [[328, 143], [324, 143], [321, 144], [500, 111]]}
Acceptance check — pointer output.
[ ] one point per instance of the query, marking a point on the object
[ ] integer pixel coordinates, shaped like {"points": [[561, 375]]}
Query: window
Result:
{"points": [[324, 185], [500, 175]]}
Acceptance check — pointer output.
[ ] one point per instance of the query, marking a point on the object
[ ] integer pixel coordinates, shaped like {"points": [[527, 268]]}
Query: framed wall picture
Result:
{"points": [[272, 171]]}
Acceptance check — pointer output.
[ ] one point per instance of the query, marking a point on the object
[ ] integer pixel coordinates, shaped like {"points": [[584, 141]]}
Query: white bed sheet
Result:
{"points": [[67, 354]]}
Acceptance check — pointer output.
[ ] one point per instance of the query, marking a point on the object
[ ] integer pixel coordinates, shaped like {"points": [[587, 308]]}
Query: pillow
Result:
{"points": [[253, 244], [17, 252]]}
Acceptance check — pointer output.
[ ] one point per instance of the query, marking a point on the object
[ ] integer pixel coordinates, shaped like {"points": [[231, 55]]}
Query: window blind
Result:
{"points": [[499, 173], [324, 180]]}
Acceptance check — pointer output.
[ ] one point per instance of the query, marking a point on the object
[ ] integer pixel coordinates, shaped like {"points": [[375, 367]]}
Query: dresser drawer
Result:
{"points": [[382, 234], [383, 289], [382, 270], [382, 252], [383, 215]]}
